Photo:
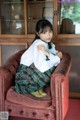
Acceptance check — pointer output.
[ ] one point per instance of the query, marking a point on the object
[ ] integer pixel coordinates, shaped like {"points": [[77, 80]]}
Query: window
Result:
{"points": [[69, 17]]}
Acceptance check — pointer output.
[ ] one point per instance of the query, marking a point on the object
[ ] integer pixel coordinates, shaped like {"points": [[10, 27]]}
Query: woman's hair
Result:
{"points": [[42, 26]]}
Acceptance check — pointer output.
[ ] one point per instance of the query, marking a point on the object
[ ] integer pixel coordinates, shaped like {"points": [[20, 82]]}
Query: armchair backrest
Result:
{"points": [[8, 70], [13, 62]]}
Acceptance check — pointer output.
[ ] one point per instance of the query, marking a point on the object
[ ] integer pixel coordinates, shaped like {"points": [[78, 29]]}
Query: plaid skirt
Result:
{"points": [[30, 79]]}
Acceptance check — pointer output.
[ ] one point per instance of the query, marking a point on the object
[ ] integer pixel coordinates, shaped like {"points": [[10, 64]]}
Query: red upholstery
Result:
{"points": [[28, 100], [52, 107]]}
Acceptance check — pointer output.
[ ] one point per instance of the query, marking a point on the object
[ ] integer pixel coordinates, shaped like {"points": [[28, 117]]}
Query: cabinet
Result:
{"points": [[19, 17], [12, 17], [37, 9]]}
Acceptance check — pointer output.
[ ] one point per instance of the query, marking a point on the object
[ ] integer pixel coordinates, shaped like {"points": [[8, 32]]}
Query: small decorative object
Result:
{"points": [[48, 14], [30, 18], [16, 17]]}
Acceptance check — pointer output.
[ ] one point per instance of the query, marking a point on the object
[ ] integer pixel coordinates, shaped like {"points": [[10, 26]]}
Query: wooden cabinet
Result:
{"points": [[19, 17], [12, 17], [37, 9]]}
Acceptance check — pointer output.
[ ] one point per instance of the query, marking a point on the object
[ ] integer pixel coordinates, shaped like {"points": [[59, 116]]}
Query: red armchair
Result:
{"points": [[52, 107]]}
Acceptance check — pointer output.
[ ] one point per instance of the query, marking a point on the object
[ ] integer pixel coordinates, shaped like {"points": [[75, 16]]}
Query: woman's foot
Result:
{"points": [[37, 94], [42, 92]]}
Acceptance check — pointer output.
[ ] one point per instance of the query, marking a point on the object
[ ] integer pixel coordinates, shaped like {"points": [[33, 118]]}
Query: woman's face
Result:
{"points": [[46, 36]]}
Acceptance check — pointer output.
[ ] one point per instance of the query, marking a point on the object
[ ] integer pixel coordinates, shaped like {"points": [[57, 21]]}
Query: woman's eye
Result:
{"points": [[50, 31], [47, 32], [44, 32]]}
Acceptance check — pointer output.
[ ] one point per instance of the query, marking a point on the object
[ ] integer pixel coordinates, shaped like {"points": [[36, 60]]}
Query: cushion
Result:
{"points": [[29, 100]]}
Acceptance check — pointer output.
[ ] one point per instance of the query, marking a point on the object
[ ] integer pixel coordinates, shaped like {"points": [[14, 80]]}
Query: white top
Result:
{"points": [[33, 55]]}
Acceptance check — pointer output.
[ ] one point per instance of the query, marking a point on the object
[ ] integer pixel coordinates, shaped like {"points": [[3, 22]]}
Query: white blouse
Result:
{"points": [[33, 55]]}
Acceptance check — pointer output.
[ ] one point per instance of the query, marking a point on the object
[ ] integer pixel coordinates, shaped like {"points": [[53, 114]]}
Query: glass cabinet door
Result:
{"points": [[12, 17], [37, 9]]}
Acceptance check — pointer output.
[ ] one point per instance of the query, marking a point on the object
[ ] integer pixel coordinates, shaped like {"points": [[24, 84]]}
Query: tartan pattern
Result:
{"points": [[30, 79]]}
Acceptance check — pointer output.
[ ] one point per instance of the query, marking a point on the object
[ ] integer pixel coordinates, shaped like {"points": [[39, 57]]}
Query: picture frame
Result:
{"points": [[47, 13]]}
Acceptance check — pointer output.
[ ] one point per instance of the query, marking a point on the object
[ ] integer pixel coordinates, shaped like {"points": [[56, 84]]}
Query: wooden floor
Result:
{"points": [[73, 112]]}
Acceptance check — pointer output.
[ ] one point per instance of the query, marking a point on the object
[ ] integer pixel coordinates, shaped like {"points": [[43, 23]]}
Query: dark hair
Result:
{"points": [[42, 26]]}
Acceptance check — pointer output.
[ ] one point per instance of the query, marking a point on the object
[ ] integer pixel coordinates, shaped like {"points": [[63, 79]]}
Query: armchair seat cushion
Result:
{"points": [[29, 100]]}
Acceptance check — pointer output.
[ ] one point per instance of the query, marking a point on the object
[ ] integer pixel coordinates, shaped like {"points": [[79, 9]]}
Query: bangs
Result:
{"points": [[45, 29]]}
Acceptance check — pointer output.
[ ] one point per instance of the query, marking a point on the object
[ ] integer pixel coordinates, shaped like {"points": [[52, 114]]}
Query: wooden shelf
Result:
{"points": [[68, 42], [12, 20], [11, 2], [33, 20], [14, 41], [74, 95]]}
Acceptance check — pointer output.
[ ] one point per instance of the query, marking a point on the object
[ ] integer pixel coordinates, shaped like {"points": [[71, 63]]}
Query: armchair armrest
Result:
{"points": [[7, 74], [60, 87], [5, 78]]}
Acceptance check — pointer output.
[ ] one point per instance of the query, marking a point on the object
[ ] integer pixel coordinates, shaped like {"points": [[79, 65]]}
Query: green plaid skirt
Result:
{"points": [[30, 79]]}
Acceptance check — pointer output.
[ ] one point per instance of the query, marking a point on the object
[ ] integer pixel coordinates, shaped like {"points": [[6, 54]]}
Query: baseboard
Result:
{"points": [[74, 94]]}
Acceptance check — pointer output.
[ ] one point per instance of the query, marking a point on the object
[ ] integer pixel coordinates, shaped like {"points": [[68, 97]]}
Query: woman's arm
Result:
{"points": [[46, 52], [40, 62]]}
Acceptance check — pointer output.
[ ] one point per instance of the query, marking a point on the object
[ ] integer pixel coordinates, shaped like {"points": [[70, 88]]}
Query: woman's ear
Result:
{"points": [[37, 33]]}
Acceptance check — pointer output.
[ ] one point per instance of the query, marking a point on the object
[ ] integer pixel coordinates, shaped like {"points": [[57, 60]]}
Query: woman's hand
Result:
{"points": [[59, 54], [43, 49]]}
